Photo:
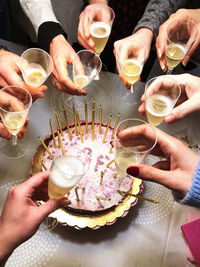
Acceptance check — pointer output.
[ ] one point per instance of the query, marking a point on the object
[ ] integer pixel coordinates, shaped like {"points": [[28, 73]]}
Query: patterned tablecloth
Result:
{"points": [[149, 235]]}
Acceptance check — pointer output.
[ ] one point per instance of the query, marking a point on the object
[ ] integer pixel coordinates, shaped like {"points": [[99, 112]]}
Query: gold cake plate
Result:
{"points": [[92, 221]]}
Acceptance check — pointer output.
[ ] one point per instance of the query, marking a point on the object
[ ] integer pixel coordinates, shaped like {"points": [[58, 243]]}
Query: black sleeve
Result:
{"points": [[47, 31]]}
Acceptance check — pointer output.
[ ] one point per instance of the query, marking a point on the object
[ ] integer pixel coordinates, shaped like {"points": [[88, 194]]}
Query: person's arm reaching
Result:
{"points": [[52, 38], [175, 170], [21, 217]]}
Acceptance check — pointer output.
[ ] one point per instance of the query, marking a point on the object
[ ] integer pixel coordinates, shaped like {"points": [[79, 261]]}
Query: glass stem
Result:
{"points": [[169, 71], [132, 88], [14, 139]]}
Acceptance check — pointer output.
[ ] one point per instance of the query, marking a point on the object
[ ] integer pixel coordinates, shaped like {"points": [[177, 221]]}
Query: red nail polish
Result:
{"points": [[133, 171]]}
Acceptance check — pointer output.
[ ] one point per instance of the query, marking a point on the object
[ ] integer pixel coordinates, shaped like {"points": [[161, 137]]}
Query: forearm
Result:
{"points": [[6, 248], [38, 12], [156, 13]]}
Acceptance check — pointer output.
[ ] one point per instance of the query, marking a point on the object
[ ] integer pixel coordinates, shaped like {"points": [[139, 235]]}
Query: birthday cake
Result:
{"points": [[101, 188]]}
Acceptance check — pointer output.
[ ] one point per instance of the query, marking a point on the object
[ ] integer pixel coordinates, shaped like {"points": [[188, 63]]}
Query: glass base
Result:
{"points": [[11, 151]]}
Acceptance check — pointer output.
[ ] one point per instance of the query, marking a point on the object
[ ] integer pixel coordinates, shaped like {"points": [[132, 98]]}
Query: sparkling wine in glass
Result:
{"points": [[131, 56], [15, 103], [181, 35], [161, 95], [100, 19], [133, 151], [36, 66], [86, 66], [66, 171]]}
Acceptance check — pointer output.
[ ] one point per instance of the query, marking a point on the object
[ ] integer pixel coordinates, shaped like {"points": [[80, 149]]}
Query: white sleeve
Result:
{"points": [[38, 12]]}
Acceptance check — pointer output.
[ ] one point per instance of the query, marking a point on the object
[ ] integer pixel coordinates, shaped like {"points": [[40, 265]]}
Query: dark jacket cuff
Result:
{"points": [[47, 31]]}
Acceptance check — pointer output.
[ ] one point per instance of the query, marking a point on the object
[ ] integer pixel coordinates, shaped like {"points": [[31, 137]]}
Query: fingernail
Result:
{"points": [[67, 201], [162, 66], [133, 171], [185, 61], [169, 118], [159, 52], [111, 143]]}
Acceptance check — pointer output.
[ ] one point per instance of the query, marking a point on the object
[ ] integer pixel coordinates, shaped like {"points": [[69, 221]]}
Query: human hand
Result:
{"points": [[188, 102], [100, 12], [143, 35], [10, 74], [161, 41], [178, 164], [21, 217], [63, 54]]}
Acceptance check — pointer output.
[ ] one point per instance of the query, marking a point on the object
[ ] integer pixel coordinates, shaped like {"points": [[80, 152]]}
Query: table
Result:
{"points": [[149, 235]]}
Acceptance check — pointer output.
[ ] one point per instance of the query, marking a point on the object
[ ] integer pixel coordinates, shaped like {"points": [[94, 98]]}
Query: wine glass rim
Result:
{"points": [[168, 76], [132, 41], [91, 52], [144, 122], [29, 105], [102, 4], [86, 166], [183, 20], [43, 51]]}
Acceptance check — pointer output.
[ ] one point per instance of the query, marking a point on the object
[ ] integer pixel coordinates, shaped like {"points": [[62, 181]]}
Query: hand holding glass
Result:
{"points": [[181, 35], [100, 19], [132, 149], [131, 56], [36, 66], [161, 95], [15, 103], [68, 167], [86, 66]]}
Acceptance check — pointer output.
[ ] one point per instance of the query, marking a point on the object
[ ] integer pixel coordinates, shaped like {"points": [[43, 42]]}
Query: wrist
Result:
{"points": [[47, 32], [98, 2], [6, 245]]}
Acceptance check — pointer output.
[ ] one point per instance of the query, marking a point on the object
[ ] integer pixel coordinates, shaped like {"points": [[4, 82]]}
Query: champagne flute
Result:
{"points": [[161, 95], [86, 66], [36, 66], [100, 20], [69, 165], [15, 103], [181, 35], [134, 150], [131, 56]]}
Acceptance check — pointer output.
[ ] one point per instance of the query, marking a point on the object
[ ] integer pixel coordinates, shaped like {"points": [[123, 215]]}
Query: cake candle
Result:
{"points": [[101, 182], [138, 196], [117, 120], [86, 118], [44, 166], [75, 122], [76, 192], [52, 131], [93, 119], [46, 148], [59, 124], [102, 198], [80, 131], [108, 125], [100, 119], [109, 163], [61, 144], [67, 123]]}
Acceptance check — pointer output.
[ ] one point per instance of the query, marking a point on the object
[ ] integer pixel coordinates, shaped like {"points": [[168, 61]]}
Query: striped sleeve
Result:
{"points": [[156, 12]]}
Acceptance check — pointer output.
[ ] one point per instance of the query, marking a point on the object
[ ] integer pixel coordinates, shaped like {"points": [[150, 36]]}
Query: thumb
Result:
{"points": [[181, 111], [149, 173], [51, 205]]}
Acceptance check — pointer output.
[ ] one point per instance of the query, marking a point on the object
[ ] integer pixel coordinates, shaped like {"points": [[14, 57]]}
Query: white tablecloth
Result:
{"points": [[149, 235]]}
